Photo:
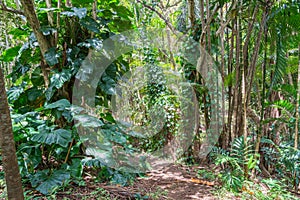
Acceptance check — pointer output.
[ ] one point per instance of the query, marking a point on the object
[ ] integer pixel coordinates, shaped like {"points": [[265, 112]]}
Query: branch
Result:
{"points": [[209, 21], [11, 10], [159, 14]]}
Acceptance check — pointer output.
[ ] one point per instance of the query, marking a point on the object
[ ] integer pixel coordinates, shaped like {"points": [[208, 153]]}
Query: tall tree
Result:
{"points": [[44, 43], [9, 158]]}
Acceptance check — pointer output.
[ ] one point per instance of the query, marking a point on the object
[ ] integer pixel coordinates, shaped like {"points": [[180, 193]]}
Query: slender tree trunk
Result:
{"points": [[237, 92], [9, 157], [50, 13], [225, 139], [208, 27], [202, 40], [50, 20], [192, 13], [57, 23], [253, 63], [230, 91], [252, 68], [297, 103], [245, 134], [44, 43]]}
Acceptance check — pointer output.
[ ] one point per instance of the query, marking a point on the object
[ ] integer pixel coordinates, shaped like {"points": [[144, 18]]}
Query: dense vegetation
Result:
{"points": [[87, 89]]}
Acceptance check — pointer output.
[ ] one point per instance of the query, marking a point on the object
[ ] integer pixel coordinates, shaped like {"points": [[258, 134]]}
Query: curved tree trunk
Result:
{"points": [[9, 158]]}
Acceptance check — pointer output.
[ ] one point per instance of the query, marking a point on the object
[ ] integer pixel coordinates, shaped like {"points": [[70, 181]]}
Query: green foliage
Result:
{"points": [[10, 54], [48, 144], [50, 151], [285, 158], [235, 163], [45, 181], [49, 136]]}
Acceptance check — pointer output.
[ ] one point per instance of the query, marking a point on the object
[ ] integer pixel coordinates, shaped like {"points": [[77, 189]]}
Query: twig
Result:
{"points": [[11, 10]]}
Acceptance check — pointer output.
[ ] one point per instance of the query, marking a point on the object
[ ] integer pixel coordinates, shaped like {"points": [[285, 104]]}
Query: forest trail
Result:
{"points": [[169, 182], [179, 182]]}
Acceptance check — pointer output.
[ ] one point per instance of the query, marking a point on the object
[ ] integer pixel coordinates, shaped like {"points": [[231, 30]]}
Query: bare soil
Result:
{"points": [[171, 182]]}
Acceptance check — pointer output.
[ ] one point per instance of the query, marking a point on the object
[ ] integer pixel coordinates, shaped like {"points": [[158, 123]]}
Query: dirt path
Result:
{"points": [[178, 183], [172, 182]]}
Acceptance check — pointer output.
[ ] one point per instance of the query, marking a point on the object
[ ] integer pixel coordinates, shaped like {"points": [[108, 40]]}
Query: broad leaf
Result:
{"points": [[61, 137], [58, 79], [60, 104], [10, 54], [36, 77], [34, 93], [78, 12], [88, 121], [46, 184], [90, 24], [14, 93], [51, 57]]}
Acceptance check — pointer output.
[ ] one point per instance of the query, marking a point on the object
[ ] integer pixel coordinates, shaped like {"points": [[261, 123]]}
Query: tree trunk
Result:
{"points": [[29, 12], [297, 104], [9, 158]]}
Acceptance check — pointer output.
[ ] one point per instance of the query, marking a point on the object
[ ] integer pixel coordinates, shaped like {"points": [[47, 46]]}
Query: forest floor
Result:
{"points": [[172, 182], [166, 182]]}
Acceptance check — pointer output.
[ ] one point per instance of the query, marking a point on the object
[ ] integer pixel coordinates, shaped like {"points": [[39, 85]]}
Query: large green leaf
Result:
{"points": [[76, 168], [61, 137], [10, 54], [58, 79], [47, 183], [88, 121], [107, 84], [14, 93], [78, 12], [36, 77], [90, 24], [50, 92], [33, 93], [60, 104], [51, 57]]}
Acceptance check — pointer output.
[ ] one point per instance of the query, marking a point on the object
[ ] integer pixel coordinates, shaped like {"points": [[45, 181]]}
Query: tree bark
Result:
{"points": [[29, 12], [297, 103], [192, 13], [9, 158]]}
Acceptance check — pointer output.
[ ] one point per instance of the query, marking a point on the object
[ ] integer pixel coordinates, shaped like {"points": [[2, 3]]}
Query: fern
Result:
{"points": [[281, 64]]}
